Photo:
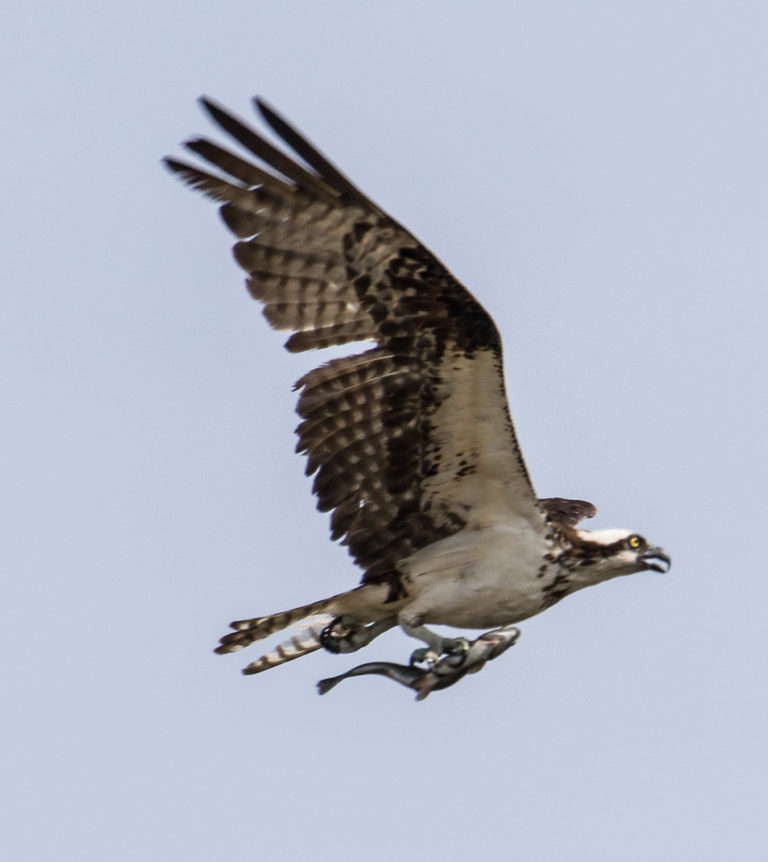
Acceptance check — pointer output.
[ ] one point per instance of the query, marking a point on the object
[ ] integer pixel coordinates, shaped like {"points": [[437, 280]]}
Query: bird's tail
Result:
{"points": [[247, 632]]}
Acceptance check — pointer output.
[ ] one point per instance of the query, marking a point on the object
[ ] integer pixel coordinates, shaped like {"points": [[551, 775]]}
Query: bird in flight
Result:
{"points": [[410, 440]]}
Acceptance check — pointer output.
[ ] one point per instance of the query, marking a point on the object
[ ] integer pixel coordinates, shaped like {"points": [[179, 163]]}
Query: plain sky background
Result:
{"points": [[596, 173]]}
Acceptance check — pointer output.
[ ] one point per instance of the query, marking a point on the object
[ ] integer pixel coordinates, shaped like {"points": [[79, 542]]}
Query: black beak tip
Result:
{"points": [[657, 559]]}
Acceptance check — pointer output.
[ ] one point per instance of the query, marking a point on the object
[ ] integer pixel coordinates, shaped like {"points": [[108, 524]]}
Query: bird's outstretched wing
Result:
{"points": [[411, 440]]}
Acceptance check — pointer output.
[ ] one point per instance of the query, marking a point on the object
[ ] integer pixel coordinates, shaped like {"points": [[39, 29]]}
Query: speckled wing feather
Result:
{"points": [[565, 512], [411, 440]]}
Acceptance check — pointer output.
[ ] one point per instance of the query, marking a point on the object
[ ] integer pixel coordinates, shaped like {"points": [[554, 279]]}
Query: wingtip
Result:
{"points": [[266, 110], [211, 107], [189, 175], [173, 165], [261, 105]]}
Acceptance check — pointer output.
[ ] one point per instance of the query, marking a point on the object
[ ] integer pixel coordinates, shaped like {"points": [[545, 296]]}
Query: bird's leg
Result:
{"points": [[347, 634], [437, 645]]}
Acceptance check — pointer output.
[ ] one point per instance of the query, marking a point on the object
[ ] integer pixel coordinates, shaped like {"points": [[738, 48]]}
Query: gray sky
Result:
{"points": [[596, 173]]}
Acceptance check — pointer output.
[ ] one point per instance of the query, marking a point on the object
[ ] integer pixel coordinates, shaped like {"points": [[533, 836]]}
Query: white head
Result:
{"points": [[614, 552]]}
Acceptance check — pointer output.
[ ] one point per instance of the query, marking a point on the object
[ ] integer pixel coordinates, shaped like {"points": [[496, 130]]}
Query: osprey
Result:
{"points": [[410, 441]]}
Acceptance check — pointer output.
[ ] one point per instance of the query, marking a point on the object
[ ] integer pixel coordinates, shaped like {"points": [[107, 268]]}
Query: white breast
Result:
{"points": [[478, 578]]}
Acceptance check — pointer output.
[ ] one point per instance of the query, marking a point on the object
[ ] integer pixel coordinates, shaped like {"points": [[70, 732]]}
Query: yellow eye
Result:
{"points": [[635, 541]]}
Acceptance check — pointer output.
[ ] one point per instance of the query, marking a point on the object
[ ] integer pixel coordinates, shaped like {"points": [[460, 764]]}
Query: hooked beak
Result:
{"points": [[655, 558]]}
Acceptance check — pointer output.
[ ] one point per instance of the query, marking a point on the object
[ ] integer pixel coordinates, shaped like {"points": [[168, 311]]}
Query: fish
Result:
{"points": [[439, 674]]}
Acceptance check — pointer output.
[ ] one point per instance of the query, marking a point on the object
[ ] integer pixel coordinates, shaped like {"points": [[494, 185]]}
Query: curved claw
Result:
{"points": [[341, 634], [456, 646], [424, 655]]}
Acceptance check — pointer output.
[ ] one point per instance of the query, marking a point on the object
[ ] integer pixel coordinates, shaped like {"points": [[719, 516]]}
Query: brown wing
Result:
{"points": [[568, 513], [411, 440]]}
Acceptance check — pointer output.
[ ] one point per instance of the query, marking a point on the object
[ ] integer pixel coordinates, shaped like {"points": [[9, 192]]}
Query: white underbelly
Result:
{"points": [[481, 579]]}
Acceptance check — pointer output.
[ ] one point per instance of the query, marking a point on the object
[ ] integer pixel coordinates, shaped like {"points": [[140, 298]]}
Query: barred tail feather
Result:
{"points": [[248, 631], [295, 647]]}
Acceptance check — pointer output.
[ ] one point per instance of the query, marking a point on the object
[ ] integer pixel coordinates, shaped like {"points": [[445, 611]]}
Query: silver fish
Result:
{"points": [[441, 674]]}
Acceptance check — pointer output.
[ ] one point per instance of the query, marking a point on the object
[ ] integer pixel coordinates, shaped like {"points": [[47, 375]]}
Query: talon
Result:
{"points": [[455, 646], [339, 635], [424, 655]]}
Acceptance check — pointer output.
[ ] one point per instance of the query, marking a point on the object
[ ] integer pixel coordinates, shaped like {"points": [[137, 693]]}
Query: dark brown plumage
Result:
{"points": [[332, 267]]}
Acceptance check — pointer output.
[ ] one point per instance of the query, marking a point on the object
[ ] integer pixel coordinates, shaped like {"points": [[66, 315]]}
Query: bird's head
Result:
{"points": [[610, 553]]}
